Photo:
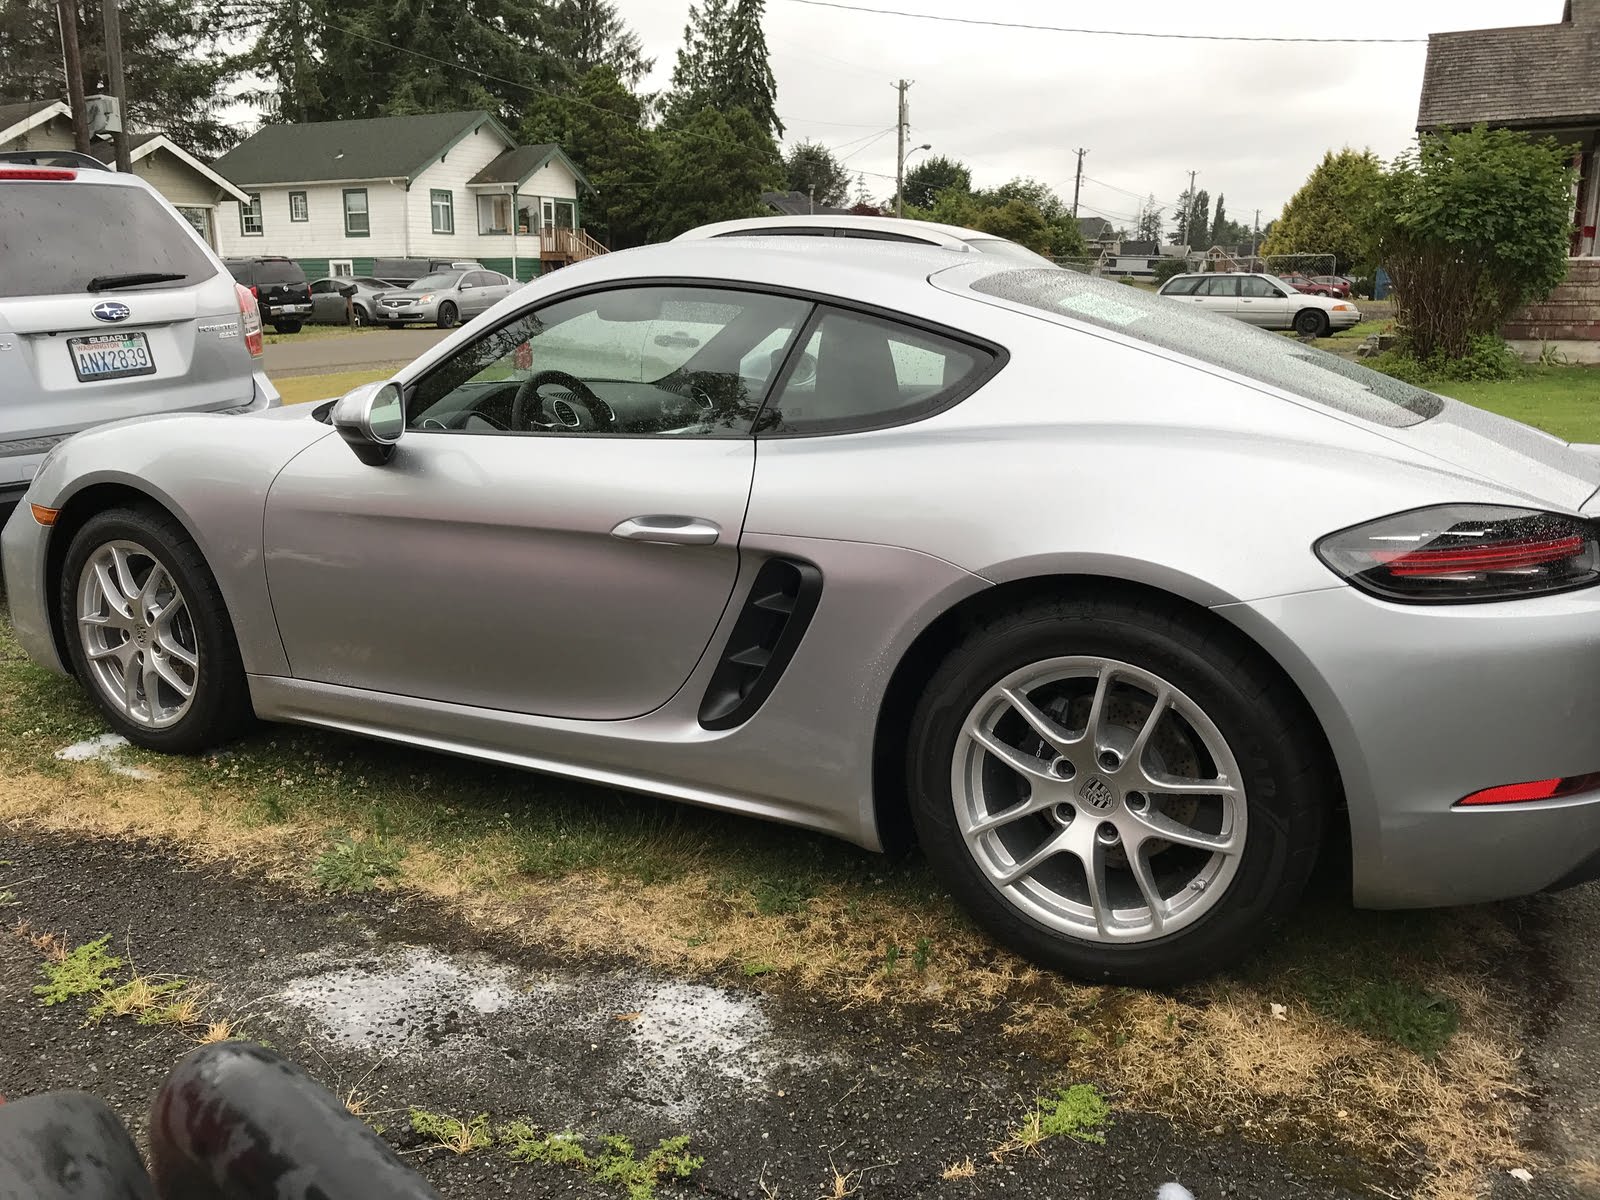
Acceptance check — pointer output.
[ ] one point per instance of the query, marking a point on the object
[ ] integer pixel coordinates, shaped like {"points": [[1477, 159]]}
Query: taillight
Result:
{"points": [[1465, 552], [1538, 789], [250, 319], [36, 174], [254, 291]]}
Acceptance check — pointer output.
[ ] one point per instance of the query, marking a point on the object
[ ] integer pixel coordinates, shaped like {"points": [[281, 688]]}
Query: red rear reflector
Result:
{"points": [[1539, 789], [37, 173], [250, 319], [43, 515], [1497, 556]]}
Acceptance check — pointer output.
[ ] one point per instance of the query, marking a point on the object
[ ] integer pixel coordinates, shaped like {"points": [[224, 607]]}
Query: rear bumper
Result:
{"points": [[1423, 705], [24, 544]]}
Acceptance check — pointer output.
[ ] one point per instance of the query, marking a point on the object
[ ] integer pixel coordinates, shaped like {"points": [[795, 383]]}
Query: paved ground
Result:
{"points": [[386, 995], [370, 349]]}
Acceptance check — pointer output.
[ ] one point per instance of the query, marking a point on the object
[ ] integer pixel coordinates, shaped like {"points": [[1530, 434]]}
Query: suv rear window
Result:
{"points": [[56, 237], [1220, 341], [278, 272]]}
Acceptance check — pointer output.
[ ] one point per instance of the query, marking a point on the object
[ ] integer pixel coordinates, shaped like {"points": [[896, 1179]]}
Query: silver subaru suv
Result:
{"points": [[111, 306]]}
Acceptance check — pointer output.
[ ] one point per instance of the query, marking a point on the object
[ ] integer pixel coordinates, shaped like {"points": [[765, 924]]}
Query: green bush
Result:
{"points": [[1487, 358], [1169, 267]]}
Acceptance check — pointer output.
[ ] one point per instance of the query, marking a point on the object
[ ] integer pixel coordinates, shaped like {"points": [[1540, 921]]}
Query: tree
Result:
{"points": [[1149, 227], [1199, 220], [591, 33], [1470, 226], [714, 167], [724, 64], [175, 66], [601, 125], [1182, 215], [1221, 227], [1326, 215], [1030, 191], [813, 171], [934, 175], [1020, 222]]}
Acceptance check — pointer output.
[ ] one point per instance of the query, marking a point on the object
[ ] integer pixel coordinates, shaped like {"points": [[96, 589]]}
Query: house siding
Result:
{"points": [[54, 134], [461, 162], [176, 180], [322, 235]]}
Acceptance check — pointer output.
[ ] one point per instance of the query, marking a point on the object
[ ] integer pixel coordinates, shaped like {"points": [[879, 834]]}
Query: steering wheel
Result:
{"points": [[580, 402]]}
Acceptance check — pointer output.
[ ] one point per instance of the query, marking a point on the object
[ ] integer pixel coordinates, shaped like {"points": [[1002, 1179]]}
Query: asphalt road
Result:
{"points": [[388, 999], [369, 350]]}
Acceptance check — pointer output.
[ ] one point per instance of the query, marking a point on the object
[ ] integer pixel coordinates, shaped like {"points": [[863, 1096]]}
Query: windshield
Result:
{"points": [[436, 283], [56, 237], [1220, 341], [1004, 249]]}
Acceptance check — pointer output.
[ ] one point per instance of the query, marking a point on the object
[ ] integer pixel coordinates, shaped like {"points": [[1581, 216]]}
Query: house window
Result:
{"points": [[494, 214], [443, 204], [250, 216], [355, 213], [299, 210], [200, 218], [342, 267]]}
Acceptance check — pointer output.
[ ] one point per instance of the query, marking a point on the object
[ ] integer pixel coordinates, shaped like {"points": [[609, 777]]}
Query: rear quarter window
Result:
{"points": [[56, 237], [1219, 341]]}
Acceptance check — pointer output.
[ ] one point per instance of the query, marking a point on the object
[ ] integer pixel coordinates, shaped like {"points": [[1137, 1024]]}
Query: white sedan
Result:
{"points": [[1263, 300]]}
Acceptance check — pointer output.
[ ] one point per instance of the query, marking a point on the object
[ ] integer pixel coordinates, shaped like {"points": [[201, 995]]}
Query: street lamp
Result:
{"points": [[900, 178]]}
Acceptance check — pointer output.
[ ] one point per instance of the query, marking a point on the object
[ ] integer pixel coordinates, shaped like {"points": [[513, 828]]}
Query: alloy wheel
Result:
{"points": [[1099, 799], [137, 634]]}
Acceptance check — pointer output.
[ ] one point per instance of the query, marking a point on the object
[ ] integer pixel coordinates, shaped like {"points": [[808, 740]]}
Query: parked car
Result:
{"points": [[443, 299], [279, 286], [862, 593], [1263, 300], [1332, 285], [878, 229], [328, 299], [110, 306], [403, 272], [1312, 285]]}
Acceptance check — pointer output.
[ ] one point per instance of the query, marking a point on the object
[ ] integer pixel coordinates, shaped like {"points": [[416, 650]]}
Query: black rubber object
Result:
{"points": [[234, 1121], [68, 1146], [1290, 782]]}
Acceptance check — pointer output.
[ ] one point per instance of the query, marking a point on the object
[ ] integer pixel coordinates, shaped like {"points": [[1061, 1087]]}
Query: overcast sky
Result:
{"points": [[1253, 119]]}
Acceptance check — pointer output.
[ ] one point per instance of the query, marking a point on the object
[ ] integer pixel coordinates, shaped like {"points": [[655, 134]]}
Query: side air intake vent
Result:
{"points": [[764, 639]]}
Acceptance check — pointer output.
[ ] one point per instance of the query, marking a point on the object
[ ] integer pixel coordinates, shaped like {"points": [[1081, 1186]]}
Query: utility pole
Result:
{"points": [[114, 66], [1188, 217], [1255, 238], [900, 153], [67, 18], [1077, 184]]}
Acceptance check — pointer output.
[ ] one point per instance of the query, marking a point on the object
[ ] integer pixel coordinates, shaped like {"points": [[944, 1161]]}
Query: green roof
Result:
{"points": [[517, 165], [379, 148]]}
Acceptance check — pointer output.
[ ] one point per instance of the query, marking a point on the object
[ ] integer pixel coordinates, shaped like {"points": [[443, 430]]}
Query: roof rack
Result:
{"points": [[52, 158]]}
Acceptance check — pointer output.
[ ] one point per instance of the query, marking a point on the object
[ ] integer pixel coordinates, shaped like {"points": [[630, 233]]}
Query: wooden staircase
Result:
{"points": [[562, 247]]}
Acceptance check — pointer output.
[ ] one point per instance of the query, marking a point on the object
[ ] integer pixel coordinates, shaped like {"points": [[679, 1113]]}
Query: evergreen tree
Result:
{"points": [[590, 34], [1221, 227], [1328, 214], [700, 59], [747, 80], [714, 167], [1149, 229], [724, 64], [813, 171], [1199, 220]]}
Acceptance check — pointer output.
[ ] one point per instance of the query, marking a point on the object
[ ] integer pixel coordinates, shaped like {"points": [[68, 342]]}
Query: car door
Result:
{"points": [[511, 556], [1219, 294], [1264, 303]]}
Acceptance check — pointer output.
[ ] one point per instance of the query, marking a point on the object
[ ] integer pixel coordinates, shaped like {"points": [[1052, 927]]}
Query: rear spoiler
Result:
{"points": [[53, 158]]}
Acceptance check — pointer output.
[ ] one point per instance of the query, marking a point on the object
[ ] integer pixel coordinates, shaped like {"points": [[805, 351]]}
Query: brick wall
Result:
{"points": [[1571, 313]]}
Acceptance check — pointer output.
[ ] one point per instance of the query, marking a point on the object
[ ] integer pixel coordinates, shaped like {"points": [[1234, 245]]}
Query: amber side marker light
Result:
{"points": [[1539, 789], [43, 515]]}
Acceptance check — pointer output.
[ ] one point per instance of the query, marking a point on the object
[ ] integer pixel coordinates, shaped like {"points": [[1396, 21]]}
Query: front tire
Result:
{"points": [[359, 317], [149, 635], [447, 315], [1117, 789], [1311, 323]]}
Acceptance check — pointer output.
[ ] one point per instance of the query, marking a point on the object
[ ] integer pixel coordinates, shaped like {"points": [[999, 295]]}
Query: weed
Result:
{"points": [[82, 972], [217, 1031], [185, 1012], [1421, 1021], [752, 969], [842, 1185], [1076, 1112], [891, 957], [456, 1136], [136, 998], [965, 1169], [782, 896], [350, 865], [919, 957], [7, 897], [618, 1164], [524, 1144]]}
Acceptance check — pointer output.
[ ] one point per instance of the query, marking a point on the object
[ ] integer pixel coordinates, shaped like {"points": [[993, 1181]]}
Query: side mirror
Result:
{"points": [[371, 419]]}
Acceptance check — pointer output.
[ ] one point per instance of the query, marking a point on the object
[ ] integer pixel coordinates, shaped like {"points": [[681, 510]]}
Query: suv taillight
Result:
{"points": [[250, 319], [34, 174]]}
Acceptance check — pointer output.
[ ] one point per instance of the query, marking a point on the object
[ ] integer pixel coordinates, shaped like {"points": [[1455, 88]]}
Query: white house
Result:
{"points": [[193, 188], [338, 195]]}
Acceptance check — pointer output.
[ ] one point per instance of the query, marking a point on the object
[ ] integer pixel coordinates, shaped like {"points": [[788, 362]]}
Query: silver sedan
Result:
{"points": [[443, 299], [1123, 610]]}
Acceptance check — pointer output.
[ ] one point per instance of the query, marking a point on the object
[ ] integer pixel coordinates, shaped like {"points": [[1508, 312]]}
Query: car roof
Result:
{"points": [[933, 231]]}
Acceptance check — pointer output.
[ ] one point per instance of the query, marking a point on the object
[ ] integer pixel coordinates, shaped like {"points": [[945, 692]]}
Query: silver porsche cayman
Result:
{"points": [[1122, 611]]}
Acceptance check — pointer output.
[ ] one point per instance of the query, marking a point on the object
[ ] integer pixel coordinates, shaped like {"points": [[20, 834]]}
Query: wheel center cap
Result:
{"points": [[1097, 794], [141, 636]]}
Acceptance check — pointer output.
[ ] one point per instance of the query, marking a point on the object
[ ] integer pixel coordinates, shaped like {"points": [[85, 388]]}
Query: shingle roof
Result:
{"points": [[106, 151], [1140, 249], [14, 114], [1525, 75], [1095, 228], [378, 148], [519, 163], [798, 204]]}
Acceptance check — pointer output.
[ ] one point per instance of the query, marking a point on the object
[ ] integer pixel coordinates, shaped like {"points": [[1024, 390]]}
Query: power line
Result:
{"points": [[869, 145], [873, 136], [1127, 33]]}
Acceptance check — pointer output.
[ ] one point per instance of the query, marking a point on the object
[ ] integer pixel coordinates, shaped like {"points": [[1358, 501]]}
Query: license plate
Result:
{"points": [[111, 356]]}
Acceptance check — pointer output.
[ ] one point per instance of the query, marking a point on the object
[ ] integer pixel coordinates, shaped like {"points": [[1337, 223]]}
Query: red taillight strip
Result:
{"points": [[1539, 789], [1499, 556], [38, 173]]}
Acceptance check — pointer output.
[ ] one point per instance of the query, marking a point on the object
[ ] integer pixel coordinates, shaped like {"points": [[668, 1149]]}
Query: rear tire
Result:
{"points": [[1084, 907], [1311, 323], [137, 599], [287, 326], [447, 315]]}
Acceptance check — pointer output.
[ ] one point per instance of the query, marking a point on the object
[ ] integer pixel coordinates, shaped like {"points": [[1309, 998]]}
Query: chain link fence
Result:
{"points": [[1154, 270]]}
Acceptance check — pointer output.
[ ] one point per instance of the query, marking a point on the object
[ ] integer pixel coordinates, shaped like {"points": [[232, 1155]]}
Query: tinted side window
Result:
{"points": [[858, 372], [1219, 285], [1257, 287], [1184, 285], [56, 237]]}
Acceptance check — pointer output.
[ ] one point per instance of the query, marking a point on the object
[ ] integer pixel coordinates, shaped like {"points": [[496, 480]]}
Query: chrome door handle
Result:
{"points": [[668, 530]]}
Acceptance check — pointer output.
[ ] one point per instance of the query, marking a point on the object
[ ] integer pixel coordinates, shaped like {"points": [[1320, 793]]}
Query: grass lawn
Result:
{"points": [[1564, 401], [310, 333], [299, 389]]}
